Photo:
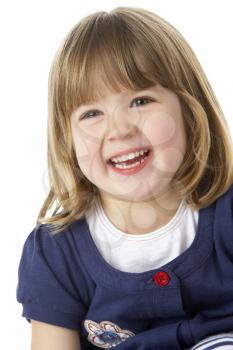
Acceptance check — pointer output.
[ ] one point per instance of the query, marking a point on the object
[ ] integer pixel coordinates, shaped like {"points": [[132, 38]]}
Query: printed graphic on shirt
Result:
{"points": [[106, 334]]}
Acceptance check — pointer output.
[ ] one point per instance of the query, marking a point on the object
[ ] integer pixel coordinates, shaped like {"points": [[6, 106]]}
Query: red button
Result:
{"points": [[161, 278]]}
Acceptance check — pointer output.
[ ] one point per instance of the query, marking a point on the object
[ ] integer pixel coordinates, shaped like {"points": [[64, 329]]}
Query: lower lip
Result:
{"points": [[135, 169]]}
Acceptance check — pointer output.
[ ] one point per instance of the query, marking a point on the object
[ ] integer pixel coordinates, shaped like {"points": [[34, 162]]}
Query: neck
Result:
{"points": [[140, 217]]}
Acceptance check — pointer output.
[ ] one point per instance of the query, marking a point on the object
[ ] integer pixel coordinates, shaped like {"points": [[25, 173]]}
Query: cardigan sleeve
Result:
{"points": [[47, 287]]}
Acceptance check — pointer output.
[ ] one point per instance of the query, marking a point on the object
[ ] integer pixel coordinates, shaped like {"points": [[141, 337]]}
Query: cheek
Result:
{"points": [[81, 147], [166, 134], [87, 139], [160, 128], [85, 150], [168, 160], [91, 130]]}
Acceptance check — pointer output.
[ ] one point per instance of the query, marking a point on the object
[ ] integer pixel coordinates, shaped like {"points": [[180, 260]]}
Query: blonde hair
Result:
{"points": [[133, 48]]}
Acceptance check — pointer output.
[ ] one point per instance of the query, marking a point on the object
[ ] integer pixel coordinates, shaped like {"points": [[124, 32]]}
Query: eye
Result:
{"points": [[87, 115], [91, 114], [144, 98]]}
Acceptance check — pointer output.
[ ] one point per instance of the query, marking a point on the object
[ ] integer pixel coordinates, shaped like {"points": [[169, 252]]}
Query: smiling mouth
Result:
{"points": [[125, 164], [132, 166]]}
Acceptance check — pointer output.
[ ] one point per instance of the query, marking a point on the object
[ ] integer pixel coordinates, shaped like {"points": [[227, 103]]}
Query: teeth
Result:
{"points": [[128, 156], [124, 166]]}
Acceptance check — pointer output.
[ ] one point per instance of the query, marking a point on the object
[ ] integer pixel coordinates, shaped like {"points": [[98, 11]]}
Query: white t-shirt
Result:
{"points": [[142, 252]]}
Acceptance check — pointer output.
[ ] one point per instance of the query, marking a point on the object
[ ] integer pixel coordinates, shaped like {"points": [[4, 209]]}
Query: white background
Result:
{"points": [[30, 33]]}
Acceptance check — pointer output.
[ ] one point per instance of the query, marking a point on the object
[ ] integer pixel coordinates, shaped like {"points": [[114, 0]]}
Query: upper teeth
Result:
{"points": [[128, 156]]}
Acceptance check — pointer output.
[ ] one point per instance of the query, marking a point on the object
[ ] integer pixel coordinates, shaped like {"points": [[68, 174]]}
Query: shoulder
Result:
{"points": [[41, 240], [51, 271], [229, 192], [51, 279], [224, 206], [227, 195], [44, 254], [40, 244]]}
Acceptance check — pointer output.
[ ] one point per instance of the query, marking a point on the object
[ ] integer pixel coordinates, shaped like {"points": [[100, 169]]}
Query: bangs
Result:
{"points": [[110, 55]]}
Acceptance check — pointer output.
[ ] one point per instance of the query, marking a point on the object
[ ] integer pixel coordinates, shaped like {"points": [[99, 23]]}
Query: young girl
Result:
{"points": [[137, 252]]}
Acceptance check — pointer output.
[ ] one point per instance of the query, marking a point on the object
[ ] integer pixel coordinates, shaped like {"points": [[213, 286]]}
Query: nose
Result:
{"points": [[121, 125]]}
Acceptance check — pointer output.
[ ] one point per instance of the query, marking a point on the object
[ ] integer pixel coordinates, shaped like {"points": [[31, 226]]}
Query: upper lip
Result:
{"points": [[130, 150]]}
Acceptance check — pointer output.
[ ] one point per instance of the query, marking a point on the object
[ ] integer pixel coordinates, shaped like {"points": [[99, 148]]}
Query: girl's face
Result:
{"points": [[124, 123]]}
